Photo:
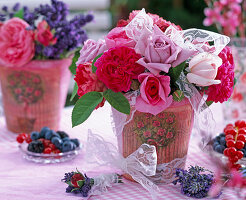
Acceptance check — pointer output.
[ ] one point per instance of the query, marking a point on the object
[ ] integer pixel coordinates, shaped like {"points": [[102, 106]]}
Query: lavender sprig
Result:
{"points": [[193, 183]]}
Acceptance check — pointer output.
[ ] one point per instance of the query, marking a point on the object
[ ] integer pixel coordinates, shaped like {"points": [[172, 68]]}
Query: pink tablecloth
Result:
{"points": [[20, 179]]}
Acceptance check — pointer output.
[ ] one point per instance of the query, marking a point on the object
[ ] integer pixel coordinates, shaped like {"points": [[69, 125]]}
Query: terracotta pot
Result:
{"points": [[169, 131], [34, 94]]}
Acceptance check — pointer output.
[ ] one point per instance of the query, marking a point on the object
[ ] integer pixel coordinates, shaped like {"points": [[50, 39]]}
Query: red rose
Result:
{"points": [[44, 35], [88, 81], [117, 67], [76, 177]]}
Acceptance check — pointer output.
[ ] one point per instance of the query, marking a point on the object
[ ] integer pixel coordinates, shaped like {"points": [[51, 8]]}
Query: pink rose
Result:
{"points": [[203, 69], [140, 124], [169, 135], [44, 35], [156, 123], [161, 132], [159, 51], [147, 134], [154, 93], [169, 120], [16, 43], [117, 37], [90, 50]]}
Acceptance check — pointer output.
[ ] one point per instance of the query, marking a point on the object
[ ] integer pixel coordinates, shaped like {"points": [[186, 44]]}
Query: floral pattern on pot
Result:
{"points": [[25, 87], [156, 130]]}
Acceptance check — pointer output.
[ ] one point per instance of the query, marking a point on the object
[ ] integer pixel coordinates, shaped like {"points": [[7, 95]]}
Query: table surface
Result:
{"points": [[21, 179]]}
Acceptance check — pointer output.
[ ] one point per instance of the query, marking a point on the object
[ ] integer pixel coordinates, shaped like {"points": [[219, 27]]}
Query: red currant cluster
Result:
{"points": [[24, 137], [235, 141], [49, 147]]}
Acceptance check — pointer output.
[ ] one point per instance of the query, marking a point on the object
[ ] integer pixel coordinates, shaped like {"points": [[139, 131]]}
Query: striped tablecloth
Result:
{"points": [[20, 179]]}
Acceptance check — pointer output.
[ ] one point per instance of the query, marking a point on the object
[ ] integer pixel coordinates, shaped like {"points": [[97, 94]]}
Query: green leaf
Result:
{"points": [[209, 103], [80, 183], [75, 89], [178, 95], [94, 68], [73, 66], [19, 14], [234, 82], [74, 189], [84, 107], [118, 101], [174, 72], [69, 183]]}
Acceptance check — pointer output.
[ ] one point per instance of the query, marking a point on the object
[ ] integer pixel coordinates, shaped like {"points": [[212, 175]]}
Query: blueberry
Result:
{"points": [[222, 141], [49, 134], [57, 142], [215, 144], [35, 135], [68, 146], [222, 135], [62, 134], [75, 141], [55, 135], [219, 149], [43, 131], [66, 139]]}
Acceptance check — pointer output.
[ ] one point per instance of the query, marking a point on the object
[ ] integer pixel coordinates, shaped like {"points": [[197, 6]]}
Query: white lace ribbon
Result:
{"points": [[102, 182], [140, 165]]}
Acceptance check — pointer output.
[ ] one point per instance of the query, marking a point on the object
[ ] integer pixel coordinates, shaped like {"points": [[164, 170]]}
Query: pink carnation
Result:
{"points": [[16, 43], [88, 81], [117, 67], [222, 92]]}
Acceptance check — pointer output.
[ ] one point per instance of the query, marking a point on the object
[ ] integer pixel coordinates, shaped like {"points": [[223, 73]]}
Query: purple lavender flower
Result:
{"points": [[5, 8], [49, 51], [16, 7], [193, 183]]}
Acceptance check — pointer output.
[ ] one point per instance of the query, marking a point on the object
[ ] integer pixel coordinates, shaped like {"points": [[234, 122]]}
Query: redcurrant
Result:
{"points": [[232, 151], [231, 131], [241, 137], [47, 150], [239, 144], [230, 143], [19, 139], [242, 131], [228, 137], [239, 154]]}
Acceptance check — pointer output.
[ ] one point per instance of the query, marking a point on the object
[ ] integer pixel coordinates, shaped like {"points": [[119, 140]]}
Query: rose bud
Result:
{"points": [[203, 69]]}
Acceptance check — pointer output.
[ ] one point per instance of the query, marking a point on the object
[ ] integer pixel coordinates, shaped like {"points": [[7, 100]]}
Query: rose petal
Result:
{"points": [[154, 68], [200, 81]]}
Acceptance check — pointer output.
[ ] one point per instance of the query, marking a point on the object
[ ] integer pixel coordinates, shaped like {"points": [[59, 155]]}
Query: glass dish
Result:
{"points": [[48, 158]]}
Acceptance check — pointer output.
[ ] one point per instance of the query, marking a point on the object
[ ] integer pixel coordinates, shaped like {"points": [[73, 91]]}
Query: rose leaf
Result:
{"points": [[94, 68], [75, 89], [84, 107], [118, 101]]}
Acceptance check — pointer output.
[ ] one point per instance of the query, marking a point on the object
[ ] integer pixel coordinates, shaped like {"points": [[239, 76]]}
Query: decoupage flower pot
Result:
{"points": [[169, 131], [34, 94]]}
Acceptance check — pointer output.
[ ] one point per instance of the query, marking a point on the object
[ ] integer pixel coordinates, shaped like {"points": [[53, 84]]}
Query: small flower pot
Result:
{"points": [[34, 94], [169, 132]]}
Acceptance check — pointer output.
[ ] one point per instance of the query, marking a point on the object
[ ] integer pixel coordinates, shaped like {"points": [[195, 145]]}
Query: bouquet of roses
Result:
{"points": [[156, 61], [44, 33]]}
